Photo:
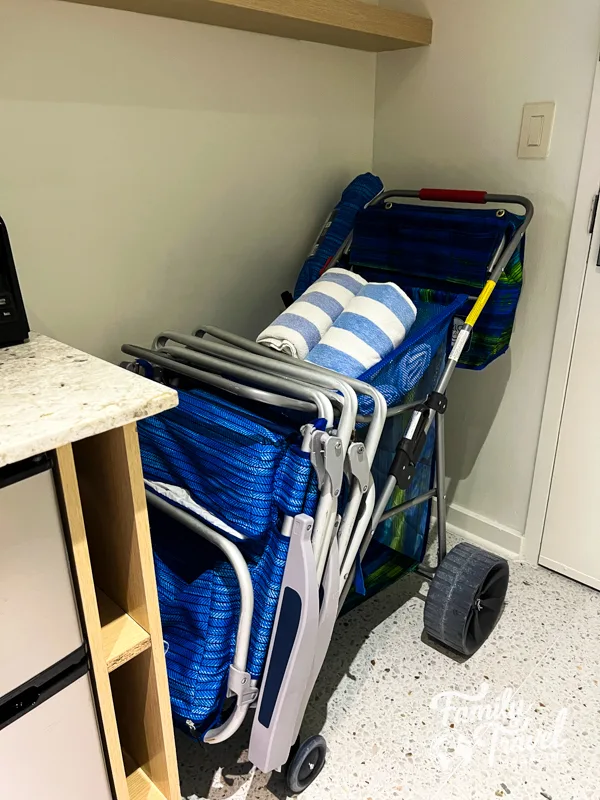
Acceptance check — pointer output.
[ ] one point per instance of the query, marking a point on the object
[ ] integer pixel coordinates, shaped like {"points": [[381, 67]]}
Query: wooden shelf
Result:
{"points": [[108, 485], [346, 23], [138, 783], [101, 488], [122, 637]]}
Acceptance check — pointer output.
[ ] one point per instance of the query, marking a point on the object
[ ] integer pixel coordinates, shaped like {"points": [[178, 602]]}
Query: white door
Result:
{"points": [[571, 540]]}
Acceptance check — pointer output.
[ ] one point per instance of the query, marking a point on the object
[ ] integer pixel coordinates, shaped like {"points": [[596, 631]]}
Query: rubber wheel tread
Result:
{"points": [[453, 593]]}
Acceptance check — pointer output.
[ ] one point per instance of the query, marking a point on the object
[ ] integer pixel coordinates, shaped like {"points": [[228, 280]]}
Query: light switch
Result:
{"points": [[536, 130]]}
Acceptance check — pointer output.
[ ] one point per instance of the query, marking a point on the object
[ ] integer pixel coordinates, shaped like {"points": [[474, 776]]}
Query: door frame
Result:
{"points": [[578, 253]]}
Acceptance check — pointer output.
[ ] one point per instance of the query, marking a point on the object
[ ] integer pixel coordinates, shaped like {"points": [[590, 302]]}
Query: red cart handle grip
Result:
{"points": [[453, 196]]}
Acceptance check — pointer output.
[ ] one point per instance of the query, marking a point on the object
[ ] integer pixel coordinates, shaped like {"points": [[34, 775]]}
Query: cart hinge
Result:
{"points": [[437, 402], [593, 213], [240, 684], [409, 449], [359, 465], [327, 458]]}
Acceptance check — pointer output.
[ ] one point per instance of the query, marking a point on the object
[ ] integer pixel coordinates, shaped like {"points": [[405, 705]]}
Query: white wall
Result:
{"points": [[156, 173], [449, 116]]}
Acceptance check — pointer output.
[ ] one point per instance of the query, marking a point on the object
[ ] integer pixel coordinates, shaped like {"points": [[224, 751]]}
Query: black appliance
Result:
{"points": [[14, 327]]}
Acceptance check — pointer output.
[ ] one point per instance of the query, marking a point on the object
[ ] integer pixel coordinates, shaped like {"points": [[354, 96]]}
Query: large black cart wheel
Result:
{"points": [[465, 598], [305, 764]]}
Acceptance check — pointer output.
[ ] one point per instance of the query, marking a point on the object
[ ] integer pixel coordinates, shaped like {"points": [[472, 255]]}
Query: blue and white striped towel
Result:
{"points": [[374, 323], [303, 324]]}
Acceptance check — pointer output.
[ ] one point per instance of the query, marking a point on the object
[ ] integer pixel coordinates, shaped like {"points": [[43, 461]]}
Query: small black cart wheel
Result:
{"points": [[465, 598], [305, 764]]}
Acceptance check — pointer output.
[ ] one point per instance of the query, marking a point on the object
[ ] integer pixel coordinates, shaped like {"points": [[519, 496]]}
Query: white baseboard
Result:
{"points": [[483, 532], [581, 577]]}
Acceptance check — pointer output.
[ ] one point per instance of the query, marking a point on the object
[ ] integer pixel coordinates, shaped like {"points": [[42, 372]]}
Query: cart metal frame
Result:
{"points": [[323, 551], [434, 406]]}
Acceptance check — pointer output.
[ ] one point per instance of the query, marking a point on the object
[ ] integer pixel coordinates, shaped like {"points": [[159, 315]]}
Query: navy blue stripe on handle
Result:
{"points": [[287, 629]]}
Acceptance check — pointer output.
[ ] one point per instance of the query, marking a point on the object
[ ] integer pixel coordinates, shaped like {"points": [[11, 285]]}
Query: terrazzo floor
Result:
{"points": [[525, 724]]}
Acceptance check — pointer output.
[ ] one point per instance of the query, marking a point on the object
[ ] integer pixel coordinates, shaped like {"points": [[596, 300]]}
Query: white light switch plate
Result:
{"points": [[536, 130]]}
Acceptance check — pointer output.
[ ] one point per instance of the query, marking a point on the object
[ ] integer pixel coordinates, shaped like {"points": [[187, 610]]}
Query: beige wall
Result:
{"points": [[450, 116], [156, 173]]}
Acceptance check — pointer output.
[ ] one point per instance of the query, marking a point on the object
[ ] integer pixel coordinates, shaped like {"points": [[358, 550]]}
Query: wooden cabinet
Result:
{"points": [[104, 507]]}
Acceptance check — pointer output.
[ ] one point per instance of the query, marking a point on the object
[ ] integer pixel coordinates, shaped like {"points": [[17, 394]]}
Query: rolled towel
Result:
{"points": [[303, 324], [374, 323]]}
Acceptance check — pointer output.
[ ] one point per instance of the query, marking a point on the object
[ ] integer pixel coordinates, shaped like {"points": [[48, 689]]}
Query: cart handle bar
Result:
{"points": [[457, 196], [453, 195]]}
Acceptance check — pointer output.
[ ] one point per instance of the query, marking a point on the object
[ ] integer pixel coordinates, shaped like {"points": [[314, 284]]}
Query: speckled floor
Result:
{"points": [[527, 725]]}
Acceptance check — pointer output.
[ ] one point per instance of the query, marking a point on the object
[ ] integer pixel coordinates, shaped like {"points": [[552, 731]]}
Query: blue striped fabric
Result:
{"points": [[353, 283], [354, 197], [366, 330], [373, 324], [383, 293], [293, 322], [445, 249], [327, 304], [199, 602], [248, 471], [295, 489], [300, 328], [231, 462], [400, 371], [334, 359], [434, 242]]}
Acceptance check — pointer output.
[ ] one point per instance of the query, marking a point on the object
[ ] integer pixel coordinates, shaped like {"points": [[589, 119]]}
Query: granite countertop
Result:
{"points": [[52, 394]]}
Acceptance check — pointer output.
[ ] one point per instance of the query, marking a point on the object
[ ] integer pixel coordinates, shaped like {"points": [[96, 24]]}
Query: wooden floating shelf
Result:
{"points": [[138, 783], [346, 23], [122, 637]]}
